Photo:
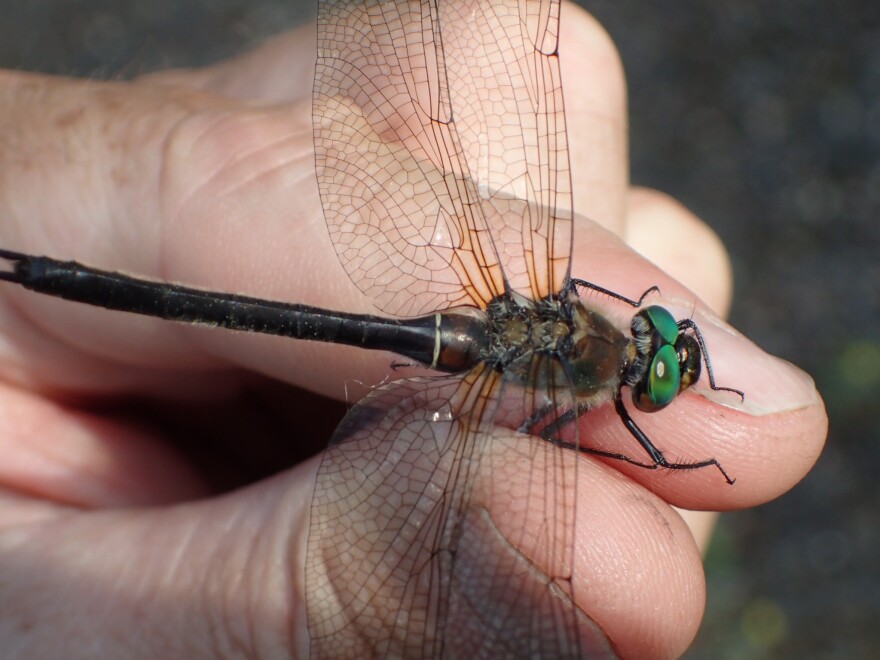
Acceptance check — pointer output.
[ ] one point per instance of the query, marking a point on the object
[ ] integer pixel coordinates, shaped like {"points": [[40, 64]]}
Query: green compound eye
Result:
{"points": [[664, 378], [664, 322]]}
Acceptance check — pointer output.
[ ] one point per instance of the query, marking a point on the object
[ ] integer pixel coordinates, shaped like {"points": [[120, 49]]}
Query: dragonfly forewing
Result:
{"points": [[441, 152]]}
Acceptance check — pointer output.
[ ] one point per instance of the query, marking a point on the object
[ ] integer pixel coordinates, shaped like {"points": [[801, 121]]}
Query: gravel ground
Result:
{"points": [[762, 117]]}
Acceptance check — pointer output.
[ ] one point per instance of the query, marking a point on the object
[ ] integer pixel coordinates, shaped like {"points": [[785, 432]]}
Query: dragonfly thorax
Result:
{"points": [[577, 346], [519, 327], [600, 352]]}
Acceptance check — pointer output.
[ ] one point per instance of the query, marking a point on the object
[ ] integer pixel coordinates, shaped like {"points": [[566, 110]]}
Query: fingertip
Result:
{"points": [[770, 385]]}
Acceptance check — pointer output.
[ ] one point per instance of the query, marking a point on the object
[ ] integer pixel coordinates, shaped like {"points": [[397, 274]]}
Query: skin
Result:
{"points": [[112, 541]]}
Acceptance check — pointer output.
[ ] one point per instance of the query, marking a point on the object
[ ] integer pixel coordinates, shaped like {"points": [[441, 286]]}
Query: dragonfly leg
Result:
{"points": [[657, 457], [658, 460], [534, 418], [396, 366], [611, 294], [549, 431], [688, 324]]}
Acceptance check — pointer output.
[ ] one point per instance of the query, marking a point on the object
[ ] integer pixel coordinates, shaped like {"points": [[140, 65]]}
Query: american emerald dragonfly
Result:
{"points": [[458, 225]]}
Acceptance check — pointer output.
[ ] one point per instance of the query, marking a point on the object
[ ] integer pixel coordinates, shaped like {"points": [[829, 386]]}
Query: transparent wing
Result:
{"points": [[506, 93], [430, 537], [440, 149]]}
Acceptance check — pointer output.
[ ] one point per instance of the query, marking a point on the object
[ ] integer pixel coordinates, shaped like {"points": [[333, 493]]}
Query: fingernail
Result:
{"points": [[770, 384]]}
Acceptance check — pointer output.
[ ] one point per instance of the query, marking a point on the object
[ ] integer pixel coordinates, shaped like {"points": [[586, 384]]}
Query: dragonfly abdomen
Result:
{"points": [[450, 342]]}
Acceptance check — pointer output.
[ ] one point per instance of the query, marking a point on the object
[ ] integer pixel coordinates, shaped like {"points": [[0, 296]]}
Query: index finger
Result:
{"points": [[766, 442]]}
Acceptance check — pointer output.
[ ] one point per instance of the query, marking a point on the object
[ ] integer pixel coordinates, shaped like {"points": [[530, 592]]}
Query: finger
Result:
{"points": [[59, 454], [595, 114], [559, 525], [701, 525], [208, 579], [630, 549], [279, 70], [767, 443], [674, 239], [662, 230]]}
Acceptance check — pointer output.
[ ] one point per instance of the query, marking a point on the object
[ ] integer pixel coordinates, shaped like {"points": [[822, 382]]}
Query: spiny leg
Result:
{"points": [[688, 324], [611, 294], [658, 460], [550, 430], [657, 457]]}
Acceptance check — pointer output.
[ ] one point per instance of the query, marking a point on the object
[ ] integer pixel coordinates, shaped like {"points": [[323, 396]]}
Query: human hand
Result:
{"points": [[184, 177]]}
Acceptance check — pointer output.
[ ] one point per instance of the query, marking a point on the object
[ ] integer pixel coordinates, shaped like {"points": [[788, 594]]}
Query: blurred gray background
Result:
{"points": [[763, 118]]}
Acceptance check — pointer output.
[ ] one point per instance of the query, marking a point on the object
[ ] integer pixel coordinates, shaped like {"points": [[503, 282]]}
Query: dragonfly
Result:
{"points": [[457, 224]]}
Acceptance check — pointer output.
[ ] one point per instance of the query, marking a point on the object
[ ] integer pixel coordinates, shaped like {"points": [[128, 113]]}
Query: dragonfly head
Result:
{"points": [[667, 362]]}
